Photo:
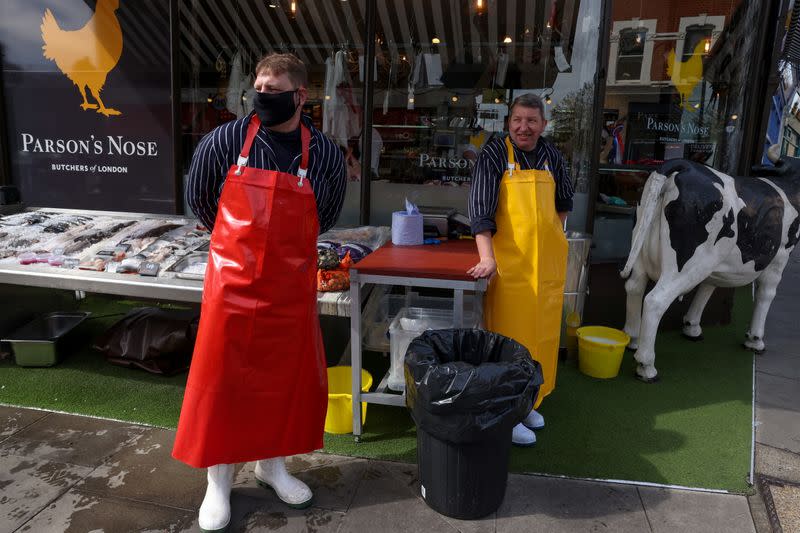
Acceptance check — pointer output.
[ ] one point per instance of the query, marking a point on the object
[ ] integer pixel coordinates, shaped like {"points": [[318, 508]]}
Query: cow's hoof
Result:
{"points": [[647, 375], [692, 332], [754, 347], [753, 343], [633, 345]]}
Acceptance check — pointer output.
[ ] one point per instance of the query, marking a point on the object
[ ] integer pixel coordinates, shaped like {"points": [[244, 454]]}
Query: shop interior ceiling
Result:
{"points": [[472, 34]]}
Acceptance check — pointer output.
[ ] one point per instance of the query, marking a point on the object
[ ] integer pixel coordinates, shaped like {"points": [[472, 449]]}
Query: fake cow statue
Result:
{"points": [[698, 227]]}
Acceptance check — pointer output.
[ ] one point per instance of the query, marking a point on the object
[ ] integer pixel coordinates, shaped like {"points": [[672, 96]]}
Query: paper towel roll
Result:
{"points": [[406, 229]]}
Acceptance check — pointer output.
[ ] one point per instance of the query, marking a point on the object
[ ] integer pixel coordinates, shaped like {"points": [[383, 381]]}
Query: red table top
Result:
{"points": [[448, 260]]}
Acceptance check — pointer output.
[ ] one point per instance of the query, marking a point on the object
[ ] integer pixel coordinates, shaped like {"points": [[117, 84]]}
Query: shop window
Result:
{"points": [[222, 40], [687, 102], [447, 72]]}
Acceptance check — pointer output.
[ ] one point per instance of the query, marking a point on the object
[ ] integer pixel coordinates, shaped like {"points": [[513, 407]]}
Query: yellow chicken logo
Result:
{"points": [[687, 74], [87, 55]]}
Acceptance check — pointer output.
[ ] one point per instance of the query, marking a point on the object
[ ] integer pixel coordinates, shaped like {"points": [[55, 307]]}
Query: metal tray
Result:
{"points": [[37, 342], [186, 262]]}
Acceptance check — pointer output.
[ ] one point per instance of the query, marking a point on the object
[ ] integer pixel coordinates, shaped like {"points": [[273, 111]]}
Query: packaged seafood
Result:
{"points": [[96, 264], [129, 265], [192, 266]]}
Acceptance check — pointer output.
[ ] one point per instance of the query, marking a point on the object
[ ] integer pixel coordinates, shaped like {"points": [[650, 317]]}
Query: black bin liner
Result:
{"points": [[160, 341], [466, 390]]}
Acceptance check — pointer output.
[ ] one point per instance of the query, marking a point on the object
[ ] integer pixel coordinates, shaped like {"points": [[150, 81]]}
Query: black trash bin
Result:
{"points": [[467, 389]]}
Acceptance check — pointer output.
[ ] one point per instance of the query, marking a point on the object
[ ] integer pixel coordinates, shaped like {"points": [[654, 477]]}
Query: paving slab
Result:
{"points": [[407, 475], [758, 512], [381, 502], [253, 513], [536, 503], [78, 440], [307, 461], [14, 419], [778, 412], [786, 499], [778, 464], [27, 485], [78, 512], [144, 470], [699, 512], [334, 484], [781, 362]]}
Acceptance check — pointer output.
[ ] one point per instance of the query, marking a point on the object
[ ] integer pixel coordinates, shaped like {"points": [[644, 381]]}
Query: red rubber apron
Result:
{"points": [[258, 383]]}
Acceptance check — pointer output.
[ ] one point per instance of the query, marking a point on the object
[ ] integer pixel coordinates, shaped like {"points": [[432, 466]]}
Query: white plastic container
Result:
{"points": [[409, 324], [381, 309]]}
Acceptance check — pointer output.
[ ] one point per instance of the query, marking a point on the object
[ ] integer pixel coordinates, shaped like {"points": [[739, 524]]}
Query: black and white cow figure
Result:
{"points": [[698, 227]]}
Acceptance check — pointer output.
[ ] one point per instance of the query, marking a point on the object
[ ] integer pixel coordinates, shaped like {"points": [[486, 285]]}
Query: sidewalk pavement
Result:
{"points": [[66, 473]]}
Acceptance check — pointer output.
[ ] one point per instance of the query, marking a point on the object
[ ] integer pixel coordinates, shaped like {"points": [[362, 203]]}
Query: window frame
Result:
{"points": [[647, 55]]}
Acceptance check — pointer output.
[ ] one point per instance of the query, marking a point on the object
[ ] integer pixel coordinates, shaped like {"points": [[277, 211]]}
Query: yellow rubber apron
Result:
{"points": [[525, 298]]}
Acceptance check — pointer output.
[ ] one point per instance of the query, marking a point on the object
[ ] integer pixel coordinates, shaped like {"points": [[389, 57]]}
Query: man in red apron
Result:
{"points": [[257, 388], [519, 200]]}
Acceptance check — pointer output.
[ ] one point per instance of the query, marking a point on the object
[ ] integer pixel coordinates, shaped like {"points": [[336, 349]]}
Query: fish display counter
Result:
{"points": [[128, 254]]}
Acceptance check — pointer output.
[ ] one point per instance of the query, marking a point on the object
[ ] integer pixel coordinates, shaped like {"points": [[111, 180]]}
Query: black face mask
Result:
{"points": [[276, 108]]}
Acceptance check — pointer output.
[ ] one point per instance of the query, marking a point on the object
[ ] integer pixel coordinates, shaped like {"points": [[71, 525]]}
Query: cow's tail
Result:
{"points": [[646, 213]]}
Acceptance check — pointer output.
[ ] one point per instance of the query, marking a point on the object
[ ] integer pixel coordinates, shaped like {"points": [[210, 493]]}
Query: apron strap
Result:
{"points": [[252, 130], [305, 137], [511, 165]]}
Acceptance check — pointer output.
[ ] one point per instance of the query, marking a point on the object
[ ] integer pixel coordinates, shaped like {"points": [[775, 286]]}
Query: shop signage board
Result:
{"points": [[89, 103], [659, 132]]}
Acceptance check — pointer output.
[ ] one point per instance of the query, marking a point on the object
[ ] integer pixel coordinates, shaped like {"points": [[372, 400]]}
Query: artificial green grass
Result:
{"points": [[693, 428], [85, 383]]}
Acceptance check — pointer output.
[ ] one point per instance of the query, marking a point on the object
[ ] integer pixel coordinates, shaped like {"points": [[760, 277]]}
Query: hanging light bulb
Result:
{"points": [[507, 40], [548, 100], [454, 98], [436, 40], [479, 4], [294, 8], [707, 45], [411, 100], [638, 38], [497, 100], [548, 24], [734, 117]]}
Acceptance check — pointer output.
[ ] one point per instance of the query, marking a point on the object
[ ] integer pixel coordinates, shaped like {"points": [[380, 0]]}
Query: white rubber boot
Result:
{"points": [[534, 421], [522, 436], [272, 474], [215, 512]]}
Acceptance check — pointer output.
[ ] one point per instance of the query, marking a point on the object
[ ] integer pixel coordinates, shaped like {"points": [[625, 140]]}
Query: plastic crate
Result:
{"points": [[409, 324], [382, 307]]}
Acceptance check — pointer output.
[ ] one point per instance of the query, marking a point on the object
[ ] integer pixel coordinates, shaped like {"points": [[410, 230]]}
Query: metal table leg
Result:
{"points": [[355, 350], [458, 308]]}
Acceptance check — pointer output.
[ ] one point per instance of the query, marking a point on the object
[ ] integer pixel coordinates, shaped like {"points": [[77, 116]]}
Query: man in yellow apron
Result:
{"points": [[519, 200]]}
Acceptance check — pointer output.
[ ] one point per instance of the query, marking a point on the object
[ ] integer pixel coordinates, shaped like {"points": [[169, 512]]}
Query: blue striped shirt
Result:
{"points": [[492, 164], [220, 148]]}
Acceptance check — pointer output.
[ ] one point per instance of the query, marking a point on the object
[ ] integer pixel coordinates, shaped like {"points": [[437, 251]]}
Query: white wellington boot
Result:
{"points": [[215, 511], [272, 474], [534, 421], [522, 436]]}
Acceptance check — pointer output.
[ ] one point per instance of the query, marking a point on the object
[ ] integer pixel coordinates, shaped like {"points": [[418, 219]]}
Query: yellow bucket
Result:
{"points": [[340, 399], [600, 350]]}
